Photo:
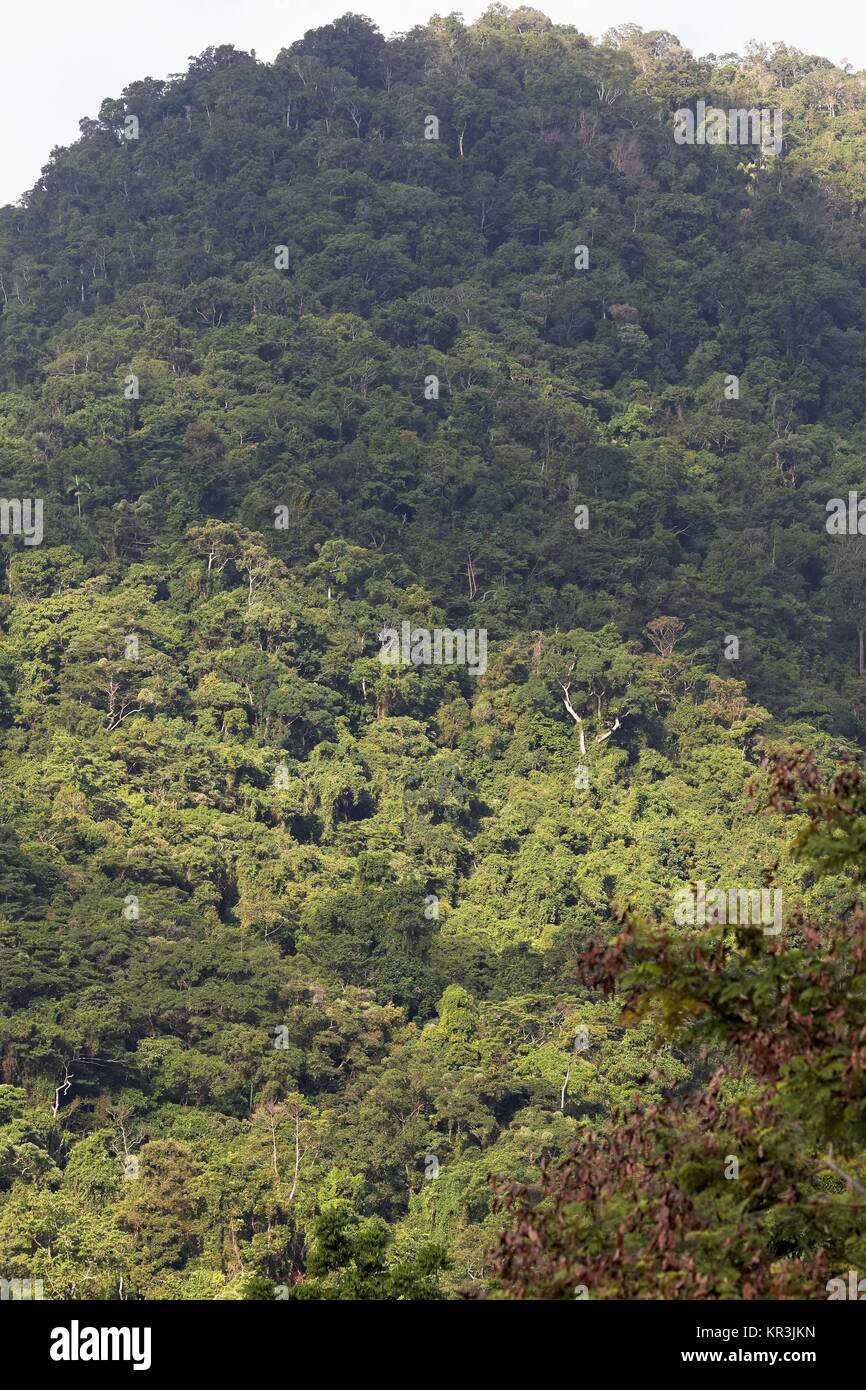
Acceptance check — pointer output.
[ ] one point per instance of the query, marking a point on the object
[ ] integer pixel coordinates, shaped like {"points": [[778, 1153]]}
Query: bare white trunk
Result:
{"points": [[297, 1156], [575, 716]]}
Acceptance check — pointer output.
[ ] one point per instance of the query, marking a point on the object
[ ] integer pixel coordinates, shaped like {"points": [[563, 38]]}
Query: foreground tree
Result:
{"points": [[755, 1187]]}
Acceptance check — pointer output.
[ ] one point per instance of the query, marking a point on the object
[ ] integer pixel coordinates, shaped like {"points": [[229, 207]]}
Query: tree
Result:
{"points": [[753, 1187]]}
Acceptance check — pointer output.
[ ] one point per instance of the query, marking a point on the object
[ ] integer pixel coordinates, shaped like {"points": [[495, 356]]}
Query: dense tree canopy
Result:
{"points": [[297, 948]]}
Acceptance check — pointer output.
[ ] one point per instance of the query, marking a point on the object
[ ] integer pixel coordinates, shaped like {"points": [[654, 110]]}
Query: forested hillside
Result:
{"points": [[299, 947]]}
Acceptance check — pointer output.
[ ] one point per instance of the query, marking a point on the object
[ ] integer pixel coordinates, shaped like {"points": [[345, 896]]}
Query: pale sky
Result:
{"points": [[62, 57]]}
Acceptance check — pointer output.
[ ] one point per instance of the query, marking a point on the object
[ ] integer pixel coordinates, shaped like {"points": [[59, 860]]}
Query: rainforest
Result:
{"points": [[339, 963]]}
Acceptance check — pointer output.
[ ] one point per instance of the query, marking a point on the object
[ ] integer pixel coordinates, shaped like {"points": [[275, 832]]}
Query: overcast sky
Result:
{"points": [[62, 57]]}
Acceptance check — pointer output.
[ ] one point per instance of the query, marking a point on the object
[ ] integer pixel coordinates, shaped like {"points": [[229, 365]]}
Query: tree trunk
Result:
{"points": [[297, 1157]]}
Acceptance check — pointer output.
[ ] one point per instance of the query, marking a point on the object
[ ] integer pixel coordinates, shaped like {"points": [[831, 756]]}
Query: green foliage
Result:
{"points": [[752, 1187], [291, 940]]}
